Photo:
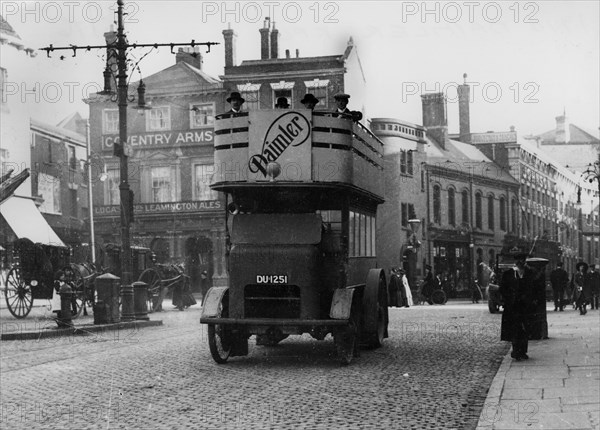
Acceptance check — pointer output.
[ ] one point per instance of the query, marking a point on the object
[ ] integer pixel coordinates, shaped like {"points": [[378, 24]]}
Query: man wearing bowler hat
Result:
{"points": [[559, 280], [236, 101], [309, 101], [517, 290], [282, 103]]}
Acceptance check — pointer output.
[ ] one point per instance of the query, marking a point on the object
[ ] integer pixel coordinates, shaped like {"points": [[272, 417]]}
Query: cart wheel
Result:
{"points": [[375, 310], [75, 280], [155, 291], [220, 338], [438, 297], [18, 294]]}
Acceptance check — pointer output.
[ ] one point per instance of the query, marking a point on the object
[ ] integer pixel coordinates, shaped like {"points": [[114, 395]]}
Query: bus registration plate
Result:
{"points": [[271, 279]]}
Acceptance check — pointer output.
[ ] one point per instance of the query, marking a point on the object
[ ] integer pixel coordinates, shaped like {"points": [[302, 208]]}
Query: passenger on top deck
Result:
{"points": [[236, 101], [341, 100], [309, 101], [282, 103]]}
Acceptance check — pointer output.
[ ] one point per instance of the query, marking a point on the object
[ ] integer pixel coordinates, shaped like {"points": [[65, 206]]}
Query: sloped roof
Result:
{"points": [[10, 37], [56, 131], [179, 78], [577, 136], [464, 158]]}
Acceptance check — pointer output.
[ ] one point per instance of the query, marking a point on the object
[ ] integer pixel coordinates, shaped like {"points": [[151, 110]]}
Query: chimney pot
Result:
{"points": [[297, 53], [274, 42], [435, 117], [265, 46], [287, 53], [229, 36]]}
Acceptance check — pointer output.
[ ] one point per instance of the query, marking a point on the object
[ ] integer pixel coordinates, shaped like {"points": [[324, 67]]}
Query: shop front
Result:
{"points": [[188, 233]]}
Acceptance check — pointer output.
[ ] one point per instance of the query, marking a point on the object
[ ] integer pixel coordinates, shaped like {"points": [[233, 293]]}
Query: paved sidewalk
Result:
{"points": [[558, 388]]}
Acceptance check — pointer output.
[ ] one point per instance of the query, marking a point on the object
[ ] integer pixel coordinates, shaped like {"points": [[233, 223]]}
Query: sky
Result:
{"points": [[526, 62]]}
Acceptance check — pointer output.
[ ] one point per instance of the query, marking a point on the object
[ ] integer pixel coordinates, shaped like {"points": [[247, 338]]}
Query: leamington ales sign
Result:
{"points": [[283, 137], [162, 139], [167, 207]]}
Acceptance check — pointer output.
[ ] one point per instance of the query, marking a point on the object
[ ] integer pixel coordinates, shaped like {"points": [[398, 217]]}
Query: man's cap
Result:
{"points": [[341, 96], [282, 101], [309, 98], [235, 95], [427, 266], [559, 264]]}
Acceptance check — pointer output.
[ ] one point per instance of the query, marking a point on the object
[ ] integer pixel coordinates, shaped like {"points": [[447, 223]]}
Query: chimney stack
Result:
{"points": [[435, 117], [191, 56], [274, 42], [563, 134], [464, 95], [229, 36], [264, 39]]}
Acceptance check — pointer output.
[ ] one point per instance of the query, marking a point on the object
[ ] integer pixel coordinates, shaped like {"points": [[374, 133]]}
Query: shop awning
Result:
{"points": [[26, 221]]}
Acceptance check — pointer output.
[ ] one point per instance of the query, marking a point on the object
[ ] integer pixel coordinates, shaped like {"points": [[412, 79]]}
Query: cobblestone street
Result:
{"points": [[433, 372]]}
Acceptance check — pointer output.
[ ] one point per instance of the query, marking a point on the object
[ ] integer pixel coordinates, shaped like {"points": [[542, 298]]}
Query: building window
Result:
{"points": [[110, 121], [72, 158], [283, 89], [202, 115], [203, 177], [451, 207], [111, 195], [465, 207], [49, 191], [161, 184], [437, 205], [409, 163], [408, 212], [502, 214], [74, 204], [491, 212], [158, 118], [319, 88], [478, 216], [403, 162], [251, 93], [513, 215], [282, 93]]}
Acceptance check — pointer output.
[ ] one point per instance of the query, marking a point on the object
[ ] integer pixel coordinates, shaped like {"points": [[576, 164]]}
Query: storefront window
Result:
{"points": [[203, 177]]}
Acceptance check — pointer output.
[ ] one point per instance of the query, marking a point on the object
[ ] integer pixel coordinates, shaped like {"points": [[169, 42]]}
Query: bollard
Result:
{"points": [[64, 316], [127, 313], [140, 300], [106, 308]]}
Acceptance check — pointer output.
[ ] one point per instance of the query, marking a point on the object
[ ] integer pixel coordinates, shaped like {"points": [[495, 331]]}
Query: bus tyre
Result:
{"points": [[438, 297], [219, 339], [375, 310]]}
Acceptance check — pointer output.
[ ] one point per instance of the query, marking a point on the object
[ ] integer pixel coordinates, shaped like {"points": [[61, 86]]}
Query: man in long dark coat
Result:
{"points": [[559, 280], [517, 289], [595, 283], [393, 287], [539, 323]]}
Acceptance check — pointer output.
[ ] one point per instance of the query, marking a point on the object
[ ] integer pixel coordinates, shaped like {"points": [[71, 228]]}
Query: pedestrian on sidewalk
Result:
{"points": [[559, 280], [393, 288], [516, 288], [408, 299], [595, 283], [581, 287]]}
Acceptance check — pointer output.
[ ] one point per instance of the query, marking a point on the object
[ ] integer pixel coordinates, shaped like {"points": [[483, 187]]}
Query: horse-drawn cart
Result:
{"points": [[34, 275]]}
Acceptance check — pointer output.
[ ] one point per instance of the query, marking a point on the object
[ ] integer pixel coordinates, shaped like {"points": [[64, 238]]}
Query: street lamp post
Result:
{"points": [[591, 174], [124, 189]]}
